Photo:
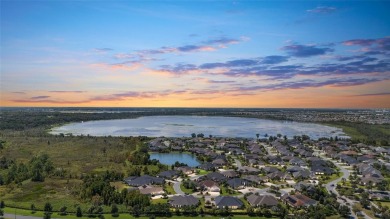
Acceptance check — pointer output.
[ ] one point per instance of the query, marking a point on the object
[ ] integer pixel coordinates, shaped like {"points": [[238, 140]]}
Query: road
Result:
{"points": [[332, 189], [12, 216], [176, 187]]}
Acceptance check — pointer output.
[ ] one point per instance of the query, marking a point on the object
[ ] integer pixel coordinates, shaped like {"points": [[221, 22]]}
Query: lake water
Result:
{"points": [[179, 126], [171, 158]]}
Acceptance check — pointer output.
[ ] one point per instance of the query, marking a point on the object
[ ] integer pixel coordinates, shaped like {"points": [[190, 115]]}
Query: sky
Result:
{"points": [[271, 54]]}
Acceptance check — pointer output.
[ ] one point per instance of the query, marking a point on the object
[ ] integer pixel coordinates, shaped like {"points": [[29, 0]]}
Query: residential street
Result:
{"points": [[330, 188]]}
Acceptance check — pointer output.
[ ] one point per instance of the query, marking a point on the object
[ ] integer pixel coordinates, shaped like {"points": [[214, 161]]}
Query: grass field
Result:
{"points": [[76, 155]]}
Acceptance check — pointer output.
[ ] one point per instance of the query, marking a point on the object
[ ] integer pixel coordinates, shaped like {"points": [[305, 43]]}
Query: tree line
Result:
{"points": [[36, 169]]}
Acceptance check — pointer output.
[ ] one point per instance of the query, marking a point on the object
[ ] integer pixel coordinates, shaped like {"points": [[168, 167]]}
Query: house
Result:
{"points": [[151, 190], [248, 170], [379, 195], [278, 175], [237, 183], [293, 169], [254, 179], [269, 169], [297, 161], [207, 166], [298, 200], [321, 170], [144, 180], [228, 202], [215, 176], [183, 200], [219, 162], [169, 174], [374, 180], [229, 173], [186, 170], [209, 186], [302, 174], [262, 200], [301, 186]]}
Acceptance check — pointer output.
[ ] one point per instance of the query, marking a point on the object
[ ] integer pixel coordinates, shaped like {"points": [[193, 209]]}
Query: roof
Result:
{"points": [[236, 182], [229, 201], [150, 189], [216, 176], [143, 180], [206, 166], [259, 200], [208, 183], [184, 200], [168, 174], [298, 200]]}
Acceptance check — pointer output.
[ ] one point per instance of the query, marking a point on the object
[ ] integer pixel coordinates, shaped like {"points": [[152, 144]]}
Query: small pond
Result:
{"points": [[171, 158]]}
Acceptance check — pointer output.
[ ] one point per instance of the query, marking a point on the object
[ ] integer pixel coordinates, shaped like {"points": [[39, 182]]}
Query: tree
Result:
{"points": [[114, 210], [48, 207], [33, 208], [344, 211], [257, 135], [384, 185], [79, 213], [193, 135], [200, 135], [63, 210], [369, 185]]}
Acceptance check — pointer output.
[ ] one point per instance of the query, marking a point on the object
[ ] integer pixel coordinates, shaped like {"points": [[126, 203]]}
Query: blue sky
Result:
{"points": [[195, 53]]}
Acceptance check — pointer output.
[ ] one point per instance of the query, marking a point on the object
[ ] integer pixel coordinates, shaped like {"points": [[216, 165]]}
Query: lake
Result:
{"points": [[179, 126], [171, 158]]}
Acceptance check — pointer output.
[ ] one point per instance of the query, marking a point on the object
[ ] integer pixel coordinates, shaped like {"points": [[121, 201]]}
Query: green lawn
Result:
{"points": [[224, 191], [202, 172], [169, 189], [332, 177], [159, 201], [185, 190], [384, 204]]}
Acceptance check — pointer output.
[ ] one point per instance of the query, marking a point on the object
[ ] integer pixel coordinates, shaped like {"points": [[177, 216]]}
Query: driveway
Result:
{"points": [[176, 187], [238, 163]]}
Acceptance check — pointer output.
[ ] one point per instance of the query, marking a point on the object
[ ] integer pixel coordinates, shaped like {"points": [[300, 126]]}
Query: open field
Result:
{"points": [[75, 156]]}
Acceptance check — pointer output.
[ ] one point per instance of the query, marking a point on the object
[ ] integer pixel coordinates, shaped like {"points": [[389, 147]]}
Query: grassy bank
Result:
{"points": [[365, 133]]}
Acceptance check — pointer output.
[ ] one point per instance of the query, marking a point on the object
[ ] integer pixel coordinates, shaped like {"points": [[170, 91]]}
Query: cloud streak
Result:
{"points": [[373, 94], [322, 10], [39, 97], [304, 51]]}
